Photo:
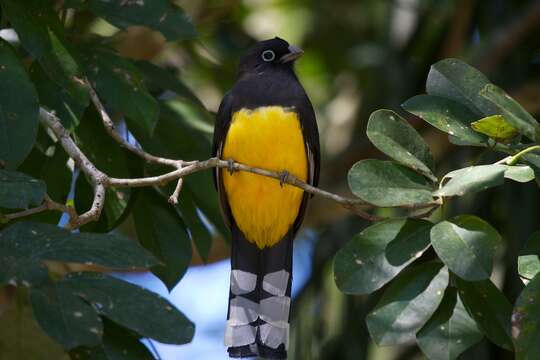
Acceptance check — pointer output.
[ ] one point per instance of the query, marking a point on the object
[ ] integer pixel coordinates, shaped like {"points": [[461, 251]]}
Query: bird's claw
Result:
{"points": [[283, 177], [230, 166]]}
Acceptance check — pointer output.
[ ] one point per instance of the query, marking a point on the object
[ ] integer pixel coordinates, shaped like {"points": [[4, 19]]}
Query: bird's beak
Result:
{"points": [[293, 54]]}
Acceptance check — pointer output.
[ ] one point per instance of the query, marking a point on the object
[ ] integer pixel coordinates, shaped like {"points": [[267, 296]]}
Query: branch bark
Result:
{"points": [[101, 181]]}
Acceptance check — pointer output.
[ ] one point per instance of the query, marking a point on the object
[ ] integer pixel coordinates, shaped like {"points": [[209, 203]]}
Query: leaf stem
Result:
{"points": [[514, 159]]}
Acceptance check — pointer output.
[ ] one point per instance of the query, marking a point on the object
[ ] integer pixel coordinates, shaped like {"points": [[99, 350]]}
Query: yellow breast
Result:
{"points": [[267, 137]]}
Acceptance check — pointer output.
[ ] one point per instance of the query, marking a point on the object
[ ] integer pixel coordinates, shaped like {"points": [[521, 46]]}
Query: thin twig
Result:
{"points": [[102, 181], [173, 199], [97, 178], [514, 159], [51, 121], [48, 204], [111, 129], [95, 211]]}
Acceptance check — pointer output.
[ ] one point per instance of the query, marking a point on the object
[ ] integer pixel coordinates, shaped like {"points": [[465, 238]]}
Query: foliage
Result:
{"points": [[434, 273], [90, 314], [413, 305]]}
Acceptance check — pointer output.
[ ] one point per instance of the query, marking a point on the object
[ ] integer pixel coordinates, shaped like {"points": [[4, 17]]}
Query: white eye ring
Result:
{"points": [[268, 55]]}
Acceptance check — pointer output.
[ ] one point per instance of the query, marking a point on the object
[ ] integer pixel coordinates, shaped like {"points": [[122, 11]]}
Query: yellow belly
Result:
{"points": [[271, 138]]}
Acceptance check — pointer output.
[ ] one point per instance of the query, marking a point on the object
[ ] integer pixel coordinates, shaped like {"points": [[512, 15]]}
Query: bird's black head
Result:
{"points": [[275, 53]]}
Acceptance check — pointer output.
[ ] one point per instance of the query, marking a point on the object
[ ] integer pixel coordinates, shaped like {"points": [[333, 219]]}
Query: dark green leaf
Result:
{"points": [[120, 85], [56, 98], [122, 302], [526, 322], [533, 159], [177, 138], [158, 78], [38, 242], [65, 317], [52, 170], [467, 245], [392, 135], [455, 80], [446, 115], [109, 157], [450, 331], [160, 15], [161, 230], [384, 183], [496, 127], [18, 109], [42, 35], [22, 272], [200, 233], [407, 304], [118, 344], [20, 191], [376, 255], [529, 258], [489, 308], [472, 179], [513, 112]]}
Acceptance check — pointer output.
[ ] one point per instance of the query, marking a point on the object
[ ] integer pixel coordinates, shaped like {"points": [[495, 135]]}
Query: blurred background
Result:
{"points": [[360, 56]]}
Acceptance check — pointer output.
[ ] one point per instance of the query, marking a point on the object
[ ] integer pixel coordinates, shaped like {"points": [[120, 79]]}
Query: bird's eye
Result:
{"points": [[268, 55]]}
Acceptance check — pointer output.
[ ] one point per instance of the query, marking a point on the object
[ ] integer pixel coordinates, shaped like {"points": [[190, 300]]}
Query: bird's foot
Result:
{"points": [[283, 177], [230, 166]]}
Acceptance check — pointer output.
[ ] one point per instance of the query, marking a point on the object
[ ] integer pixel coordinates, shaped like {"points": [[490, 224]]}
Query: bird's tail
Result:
{"points": [[259, 298]]}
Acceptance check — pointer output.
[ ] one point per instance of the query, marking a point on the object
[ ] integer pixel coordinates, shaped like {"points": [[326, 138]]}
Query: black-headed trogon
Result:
{"points": [[265, 120]]}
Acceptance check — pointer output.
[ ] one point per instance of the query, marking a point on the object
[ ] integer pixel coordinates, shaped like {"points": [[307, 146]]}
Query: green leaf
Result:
{"points": [[38, 242], [529, 258], [526, 321], [114, 299], [495, 127], [384, 183], [455, 80], [519, 173], [22, 272], [512, 111], [120, 85], [157, 78], [118, 344], [65, 317], [177, 138], [467, 245], [52, 170], [489, 308], [376, 255], [450, 331], [161, 231], [392, 135], [472, 179], [20, 191], [407, 304], [18, 109], [42, 35], [160, 15], [55, 98], [23, 338], [446, 115], [200, 233], [109, 157]]}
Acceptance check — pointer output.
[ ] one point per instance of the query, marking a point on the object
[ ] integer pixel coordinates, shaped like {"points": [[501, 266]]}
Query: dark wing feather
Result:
{"points": [[223, 121], [311, 139]]}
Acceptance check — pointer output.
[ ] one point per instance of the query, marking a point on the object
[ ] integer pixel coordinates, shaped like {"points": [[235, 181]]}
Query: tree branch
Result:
{"points": [[102, 181], [48, 204], [111, 129]]}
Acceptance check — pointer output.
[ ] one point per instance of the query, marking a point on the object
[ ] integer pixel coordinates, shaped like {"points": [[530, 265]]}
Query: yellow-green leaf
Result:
{"points": [[495, 127]]}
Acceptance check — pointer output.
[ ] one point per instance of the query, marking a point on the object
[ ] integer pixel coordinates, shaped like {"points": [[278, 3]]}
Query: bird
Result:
{"points": [[265, 120]]}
